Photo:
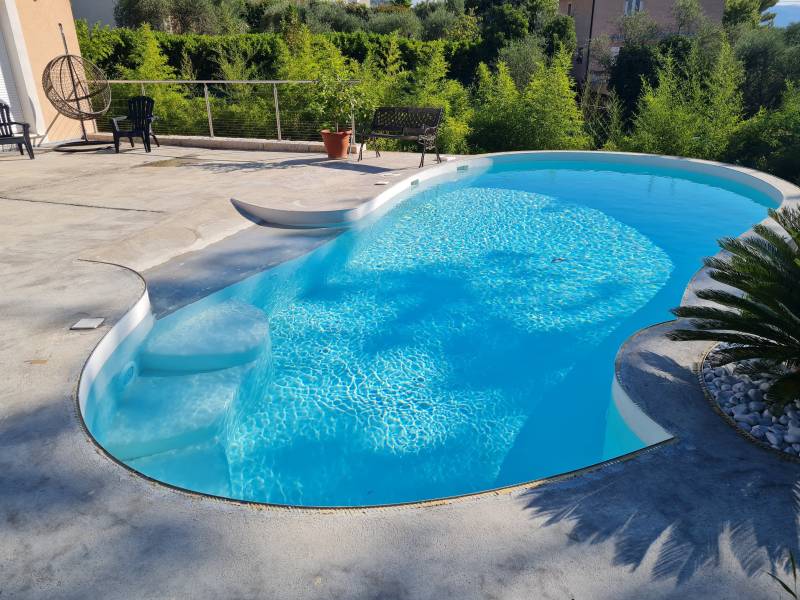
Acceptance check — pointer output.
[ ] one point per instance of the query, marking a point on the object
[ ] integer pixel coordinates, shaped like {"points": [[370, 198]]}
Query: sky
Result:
{"points": [[786, 11]]}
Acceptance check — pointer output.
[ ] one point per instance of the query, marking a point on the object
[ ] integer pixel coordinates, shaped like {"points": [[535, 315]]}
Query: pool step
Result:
{"points": [[201, 468], [159, 413], [222, 336]]}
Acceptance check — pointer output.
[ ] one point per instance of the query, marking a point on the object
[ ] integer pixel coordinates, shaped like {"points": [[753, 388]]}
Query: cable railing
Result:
{"points": [[273, 109]]}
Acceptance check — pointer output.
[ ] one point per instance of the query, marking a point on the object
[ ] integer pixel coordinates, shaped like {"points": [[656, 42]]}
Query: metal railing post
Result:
{"points": [[277, 110], [208, 111], [353, 142], [302, 128]]}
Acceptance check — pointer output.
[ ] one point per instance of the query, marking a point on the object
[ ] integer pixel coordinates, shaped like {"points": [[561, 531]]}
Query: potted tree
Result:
{"points": [[335, 105]]}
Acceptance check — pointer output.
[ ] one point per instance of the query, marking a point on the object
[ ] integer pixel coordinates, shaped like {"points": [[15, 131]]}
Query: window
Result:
{"points": [[569, 9], [633, 6]]}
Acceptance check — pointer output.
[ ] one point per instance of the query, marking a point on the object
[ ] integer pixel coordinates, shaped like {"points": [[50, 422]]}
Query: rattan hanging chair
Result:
{"points": [[77, 89]]}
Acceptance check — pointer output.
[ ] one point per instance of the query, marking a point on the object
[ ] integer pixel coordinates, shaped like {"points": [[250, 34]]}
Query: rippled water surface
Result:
{"points": [[464, 340]]}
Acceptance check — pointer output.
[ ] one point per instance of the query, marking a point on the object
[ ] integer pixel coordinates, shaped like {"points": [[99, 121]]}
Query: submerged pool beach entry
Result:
{"points": [[461, 341]]}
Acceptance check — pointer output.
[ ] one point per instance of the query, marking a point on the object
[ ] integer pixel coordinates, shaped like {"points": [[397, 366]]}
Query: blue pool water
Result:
{"points": [[462, 341]]}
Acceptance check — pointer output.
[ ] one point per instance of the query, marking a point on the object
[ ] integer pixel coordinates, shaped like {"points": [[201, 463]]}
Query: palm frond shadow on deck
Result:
{"points": [[680, 500]]}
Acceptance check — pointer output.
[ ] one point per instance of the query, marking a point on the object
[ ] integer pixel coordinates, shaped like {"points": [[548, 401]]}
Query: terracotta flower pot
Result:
{"points": [[337, 143]]}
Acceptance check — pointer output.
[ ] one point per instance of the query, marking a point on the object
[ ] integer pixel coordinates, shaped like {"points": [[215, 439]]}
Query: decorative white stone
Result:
{"points": [[774, 438]]}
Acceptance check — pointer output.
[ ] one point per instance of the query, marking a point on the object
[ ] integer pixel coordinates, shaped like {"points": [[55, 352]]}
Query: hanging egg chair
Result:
{"points": [[77, 89]]}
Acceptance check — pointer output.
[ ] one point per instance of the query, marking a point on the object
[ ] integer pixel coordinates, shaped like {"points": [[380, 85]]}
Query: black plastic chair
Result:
{"points": [[8, 135], [139, 120]]}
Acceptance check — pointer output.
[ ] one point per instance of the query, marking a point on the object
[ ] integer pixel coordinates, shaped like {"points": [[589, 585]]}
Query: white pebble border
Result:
{"points": [[740, 399]]}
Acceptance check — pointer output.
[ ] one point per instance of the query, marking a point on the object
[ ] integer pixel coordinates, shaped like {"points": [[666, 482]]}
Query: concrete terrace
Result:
{"points": [[699, 517]]}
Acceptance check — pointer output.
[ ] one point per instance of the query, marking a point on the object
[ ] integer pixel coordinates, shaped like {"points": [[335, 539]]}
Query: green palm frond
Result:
{"points": [[784, 390], [757, 314]]}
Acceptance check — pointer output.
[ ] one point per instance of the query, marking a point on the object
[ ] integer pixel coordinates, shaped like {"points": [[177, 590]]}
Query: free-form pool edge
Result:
{"points": [[649, 432], [777, 189]]}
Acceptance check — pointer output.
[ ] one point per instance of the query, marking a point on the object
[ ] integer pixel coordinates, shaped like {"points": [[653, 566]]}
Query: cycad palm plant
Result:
{"points": [[760, 318]]}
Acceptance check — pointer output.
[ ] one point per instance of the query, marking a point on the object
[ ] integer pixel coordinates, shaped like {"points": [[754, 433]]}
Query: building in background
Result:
{"points": [[29, 39], [95, 11], [595, 18]]}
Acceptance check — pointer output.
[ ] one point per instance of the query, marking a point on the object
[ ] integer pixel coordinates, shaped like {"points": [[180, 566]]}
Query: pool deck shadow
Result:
{"points": [[676, 503]]}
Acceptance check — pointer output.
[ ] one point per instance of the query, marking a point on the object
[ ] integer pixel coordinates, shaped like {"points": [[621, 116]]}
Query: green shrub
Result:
{"points": [[770, 141], [551, 119], [333, 16], [769, 60], [503, 23], [559, 34], [521, 58], [692, 113], [404, 23], [634, 67], [437, 24], [496, 121]]}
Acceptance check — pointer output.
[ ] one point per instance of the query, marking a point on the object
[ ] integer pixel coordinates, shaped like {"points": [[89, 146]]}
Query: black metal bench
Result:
{"points": [[8, 135], [419, 125]]}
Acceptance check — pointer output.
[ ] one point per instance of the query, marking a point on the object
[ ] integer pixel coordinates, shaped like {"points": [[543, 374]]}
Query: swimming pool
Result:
{"points": [[460, 338]]}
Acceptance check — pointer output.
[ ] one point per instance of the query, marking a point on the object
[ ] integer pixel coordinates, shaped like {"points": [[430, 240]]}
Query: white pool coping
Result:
{"points": [[777, 189], [645, 428]]}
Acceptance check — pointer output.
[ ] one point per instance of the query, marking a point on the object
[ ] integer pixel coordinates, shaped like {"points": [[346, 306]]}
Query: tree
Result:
{"points": [[502, 24], [192, 16], [770, 141], [332, 16], [430, 86], [404, 23], [521, 58], [229, 17], [687, 15], [639, 29], [539, 12], [769, 61], [148, 60], [718, 101], [559, 34], [496, 124], [134, 13], [551, 118], [96, 42], [747, 12], [466, 29], [692, 113], [636, 65], [437, 24]]}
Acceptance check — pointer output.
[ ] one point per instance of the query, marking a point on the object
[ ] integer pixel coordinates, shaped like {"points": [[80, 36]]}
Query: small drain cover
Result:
{"points": [[92, 323]]}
